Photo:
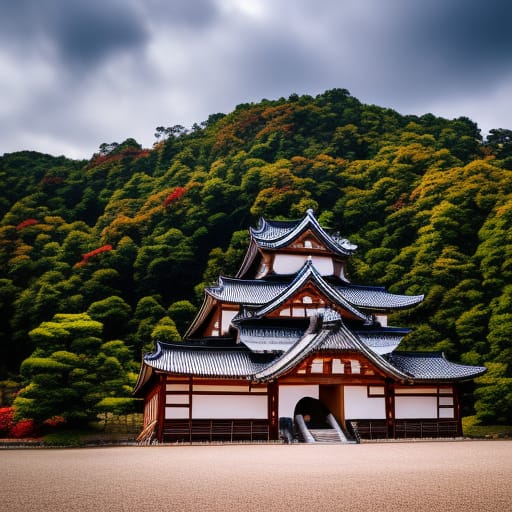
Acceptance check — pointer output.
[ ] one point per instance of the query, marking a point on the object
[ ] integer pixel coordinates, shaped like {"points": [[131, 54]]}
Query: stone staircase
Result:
{"points": [[325, 435]]}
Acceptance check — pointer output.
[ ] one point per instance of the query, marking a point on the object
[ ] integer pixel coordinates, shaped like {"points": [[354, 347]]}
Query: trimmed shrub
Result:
{"points": [[62, 439]]}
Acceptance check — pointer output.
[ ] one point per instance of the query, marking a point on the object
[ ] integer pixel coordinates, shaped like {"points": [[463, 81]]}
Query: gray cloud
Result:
{"points": [[75, 33], [75, 73], [85, 35]]}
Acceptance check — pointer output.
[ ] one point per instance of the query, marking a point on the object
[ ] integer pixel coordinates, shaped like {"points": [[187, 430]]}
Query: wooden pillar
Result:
{"points": [[161, 407], [456, 409], [273, 409], [389, 390]]}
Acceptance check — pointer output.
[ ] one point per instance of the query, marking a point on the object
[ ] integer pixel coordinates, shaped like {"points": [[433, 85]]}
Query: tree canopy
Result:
{"points": [[128, 239]]}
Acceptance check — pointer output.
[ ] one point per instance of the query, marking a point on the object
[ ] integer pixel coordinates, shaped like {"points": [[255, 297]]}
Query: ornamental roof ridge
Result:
{"points": [[277, 234]]}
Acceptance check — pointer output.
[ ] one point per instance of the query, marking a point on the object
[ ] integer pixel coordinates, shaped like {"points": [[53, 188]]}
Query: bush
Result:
{"points": [[115, 405], [24, 428], [62, 439], [6, 420]]}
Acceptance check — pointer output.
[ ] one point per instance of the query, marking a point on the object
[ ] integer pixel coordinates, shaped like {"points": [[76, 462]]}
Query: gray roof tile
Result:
{"points": [[432, 366], [381, 341], [203, 361], [320, 336], [267, 338], [260, 292], [372, 297]]}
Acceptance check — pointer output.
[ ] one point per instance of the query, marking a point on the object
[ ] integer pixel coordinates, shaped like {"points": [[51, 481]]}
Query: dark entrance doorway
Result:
{"points": [[314, 412]]}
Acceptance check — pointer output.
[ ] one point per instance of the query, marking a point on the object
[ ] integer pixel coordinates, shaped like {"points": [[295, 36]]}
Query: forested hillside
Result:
{"points": [[98, 258]]}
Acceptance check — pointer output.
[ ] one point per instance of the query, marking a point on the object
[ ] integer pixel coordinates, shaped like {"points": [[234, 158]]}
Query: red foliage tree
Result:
{"points": [[26, 223], [174, 196], [6, 420], [88, 255]]}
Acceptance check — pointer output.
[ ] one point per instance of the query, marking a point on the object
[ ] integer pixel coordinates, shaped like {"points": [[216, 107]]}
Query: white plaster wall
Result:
{"points": [[292, 263], [382, 319], [415, 407], [358, 405], [288, 263], [324, 265], [290, 395], [176, 413], [229, 406], [227, 316], [176, 399], [447, 412]]}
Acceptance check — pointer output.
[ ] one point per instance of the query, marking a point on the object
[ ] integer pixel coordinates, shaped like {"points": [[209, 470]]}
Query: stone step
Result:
{"points": [[325, 435]]}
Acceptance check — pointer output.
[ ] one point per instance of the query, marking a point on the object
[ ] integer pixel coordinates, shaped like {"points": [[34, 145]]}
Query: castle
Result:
{"points": [[290, 349]]}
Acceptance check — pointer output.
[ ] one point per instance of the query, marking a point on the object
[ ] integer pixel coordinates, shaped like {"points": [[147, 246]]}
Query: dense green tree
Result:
{"points": [[71, 372], [428, 203], [114, 313], [182, 312]]}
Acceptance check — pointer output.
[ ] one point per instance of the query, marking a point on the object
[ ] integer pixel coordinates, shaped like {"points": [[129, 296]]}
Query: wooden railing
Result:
{"points": [[216, 430], [403, 429], [148, 433]]}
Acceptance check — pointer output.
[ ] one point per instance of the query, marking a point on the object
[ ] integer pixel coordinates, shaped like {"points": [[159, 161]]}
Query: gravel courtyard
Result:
{"points": [[423, 476]]}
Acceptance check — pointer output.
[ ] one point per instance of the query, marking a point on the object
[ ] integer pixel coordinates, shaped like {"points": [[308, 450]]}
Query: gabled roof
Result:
{"points": [[260, 292], [308, 273], [266, 337], [278, 234], [267, 295]]}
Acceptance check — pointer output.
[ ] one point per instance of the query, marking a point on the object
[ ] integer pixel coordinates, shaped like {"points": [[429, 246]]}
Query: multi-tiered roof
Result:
{"points": [[291, 299]]}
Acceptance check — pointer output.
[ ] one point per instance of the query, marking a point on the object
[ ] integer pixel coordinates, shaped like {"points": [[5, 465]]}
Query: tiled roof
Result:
{"points": [[372, 297], [260, 292], [204, 361], [268, 338], [326, 336], [241, 291], [432, 366], [293, 356], [382, 341], [242, 363], [277, 234]]}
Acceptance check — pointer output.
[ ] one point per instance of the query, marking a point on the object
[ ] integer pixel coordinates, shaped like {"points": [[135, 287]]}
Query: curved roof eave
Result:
{"points": [[206, 307], [249, 257], [426, 367], [145, 374]]}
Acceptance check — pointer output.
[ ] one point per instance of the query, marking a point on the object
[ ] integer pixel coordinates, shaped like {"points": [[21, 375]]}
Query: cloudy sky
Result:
{"points": [[76, 73]]}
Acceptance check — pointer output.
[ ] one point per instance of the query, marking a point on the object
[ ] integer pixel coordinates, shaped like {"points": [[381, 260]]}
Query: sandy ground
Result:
{"points": [[424, 476]]}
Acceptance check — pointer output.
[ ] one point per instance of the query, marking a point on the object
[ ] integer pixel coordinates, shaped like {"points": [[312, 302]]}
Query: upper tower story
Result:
{"points": [[279, 248], [292, 270]]}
